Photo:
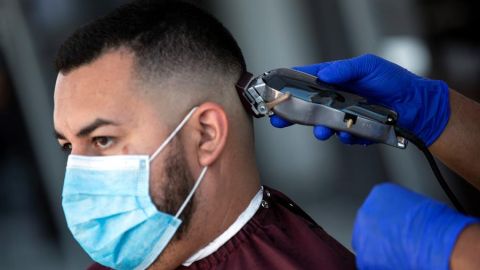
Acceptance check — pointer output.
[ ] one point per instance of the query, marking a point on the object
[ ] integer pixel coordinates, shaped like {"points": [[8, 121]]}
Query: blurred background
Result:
{"points": [[434, 38]]}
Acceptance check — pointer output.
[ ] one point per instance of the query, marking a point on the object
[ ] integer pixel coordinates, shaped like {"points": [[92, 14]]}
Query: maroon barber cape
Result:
{"points": [[279, 236]]}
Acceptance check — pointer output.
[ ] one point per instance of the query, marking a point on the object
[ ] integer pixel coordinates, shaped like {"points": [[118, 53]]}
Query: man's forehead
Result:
{"points": [[112, 70], [101, 89], [110, 85]]}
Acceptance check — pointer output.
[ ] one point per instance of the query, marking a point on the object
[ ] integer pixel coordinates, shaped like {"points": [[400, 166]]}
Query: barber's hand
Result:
{"points": [[399, 229], [422, 104]]}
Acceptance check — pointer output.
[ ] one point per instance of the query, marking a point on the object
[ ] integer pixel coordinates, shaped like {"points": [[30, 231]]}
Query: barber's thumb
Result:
{"points": [[348, 70], [312, 69]]}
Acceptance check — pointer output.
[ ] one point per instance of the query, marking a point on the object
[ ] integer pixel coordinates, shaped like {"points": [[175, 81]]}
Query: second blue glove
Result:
{"points": [[399, 229]]}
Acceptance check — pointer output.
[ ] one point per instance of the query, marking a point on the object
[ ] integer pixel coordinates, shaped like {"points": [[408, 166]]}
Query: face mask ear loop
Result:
{"points": [[197, 183], [172, 135]]}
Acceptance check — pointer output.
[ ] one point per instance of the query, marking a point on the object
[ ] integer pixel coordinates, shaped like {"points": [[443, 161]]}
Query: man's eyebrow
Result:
{"points": [[94, 125], [59, 135], [99, 122]]}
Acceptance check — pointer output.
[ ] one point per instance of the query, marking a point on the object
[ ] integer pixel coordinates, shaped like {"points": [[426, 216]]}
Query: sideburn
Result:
{"points": [[178, 183]]}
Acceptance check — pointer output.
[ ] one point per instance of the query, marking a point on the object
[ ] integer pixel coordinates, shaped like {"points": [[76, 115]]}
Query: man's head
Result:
{"points": [[169, 40], [127, 79]]}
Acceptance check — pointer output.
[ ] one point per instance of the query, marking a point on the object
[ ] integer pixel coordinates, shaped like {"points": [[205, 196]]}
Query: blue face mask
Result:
{"points": [[109, 210]]}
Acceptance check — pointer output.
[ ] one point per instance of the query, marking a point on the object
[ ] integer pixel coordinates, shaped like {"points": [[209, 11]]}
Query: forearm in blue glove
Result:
{"points": [[399, 229], [422, 104]]}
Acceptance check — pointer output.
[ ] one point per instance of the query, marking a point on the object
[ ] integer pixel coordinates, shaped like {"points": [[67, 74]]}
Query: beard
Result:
{"points": [[176, 188]]}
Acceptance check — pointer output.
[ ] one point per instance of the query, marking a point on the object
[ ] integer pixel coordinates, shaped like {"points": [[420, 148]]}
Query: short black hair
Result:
{"points": [[164, 36]]}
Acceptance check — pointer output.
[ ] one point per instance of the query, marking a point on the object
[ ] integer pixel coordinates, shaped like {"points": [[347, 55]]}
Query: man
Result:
{"points": [[396, 228], [145, 101]]}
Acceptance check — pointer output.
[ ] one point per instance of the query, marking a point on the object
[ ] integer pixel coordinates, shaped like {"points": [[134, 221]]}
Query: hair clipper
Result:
{"points": [[301, 98]]}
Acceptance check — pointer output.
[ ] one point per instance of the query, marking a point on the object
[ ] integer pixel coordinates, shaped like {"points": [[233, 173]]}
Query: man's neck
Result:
{"points": [[230, 232], [219, 203]]}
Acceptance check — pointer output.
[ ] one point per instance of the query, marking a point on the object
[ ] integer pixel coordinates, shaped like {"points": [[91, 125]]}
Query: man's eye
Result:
{"points": [[102, 142], [66, 147]]}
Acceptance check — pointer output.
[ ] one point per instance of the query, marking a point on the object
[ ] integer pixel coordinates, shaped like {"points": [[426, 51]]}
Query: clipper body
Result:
{"points": [[301, 98]]}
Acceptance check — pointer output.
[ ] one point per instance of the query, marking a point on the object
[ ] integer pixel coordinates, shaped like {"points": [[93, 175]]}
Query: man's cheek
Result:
{"points": [[157, 187]]}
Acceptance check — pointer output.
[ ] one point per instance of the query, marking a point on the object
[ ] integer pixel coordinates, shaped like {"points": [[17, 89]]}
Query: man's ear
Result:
{"points": [[213, 129]]}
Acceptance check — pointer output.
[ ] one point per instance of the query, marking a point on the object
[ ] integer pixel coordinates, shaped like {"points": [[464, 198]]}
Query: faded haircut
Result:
{"points": [[165, 36]]}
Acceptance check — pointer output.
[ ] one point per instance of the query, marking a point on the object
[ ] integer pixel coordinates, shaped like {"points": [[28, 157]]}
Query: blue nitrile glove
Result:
{"points": [[422, 104], [399, 229]]}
